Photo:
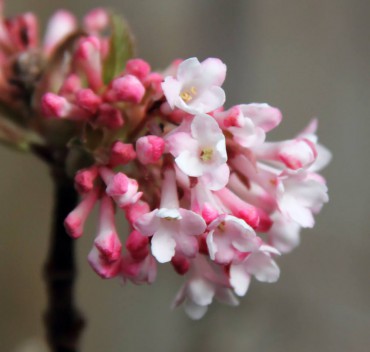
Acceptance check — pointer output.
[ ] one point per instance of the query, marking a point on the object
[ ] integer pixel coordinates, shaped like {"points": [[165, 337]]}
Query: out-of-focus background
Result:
{"points": [[309, 58]]}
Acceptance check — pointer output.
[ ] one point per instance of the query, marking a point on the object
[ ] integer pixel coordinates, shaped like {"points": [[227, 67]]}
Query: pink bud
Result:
{"points": [[137, 245], [154, 81], [84, 179], [180, 263], [265, 222], [107, 240], [109, 117], [238, 207], [139, 272], [75, 220], [96, 20], [53, 105], [138, 68], [209, 213], [118, 185], [105, 269], [121, 153], [297, 154], [149, 149], [23, 31], [128, 88], [115, 187], [88, 100], [134, 211], [71, 85], [88, 57]]}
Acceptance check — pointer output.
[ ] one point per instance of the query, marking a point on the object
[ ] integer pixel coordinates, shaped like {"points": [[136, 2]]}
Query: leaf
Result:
{"points": [[121, 48]]}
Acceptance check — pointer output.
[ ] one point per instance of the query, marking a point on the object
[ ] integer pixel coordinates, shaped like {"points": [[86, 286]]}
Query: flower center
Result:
{"points": [[206, 154], [189, 94], [221, 226]]}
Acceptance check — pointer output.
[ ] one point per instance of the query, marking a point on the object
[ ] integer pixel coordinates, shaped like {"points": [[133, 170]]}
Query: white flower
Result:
{"points": [[258, 264], [196, 87], [204, 284], [202, 152], [173, 228]]}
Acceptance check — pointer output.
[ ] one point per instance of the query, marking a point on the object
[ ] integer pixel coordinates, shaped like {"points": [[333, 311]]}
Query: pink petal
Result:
{"points": [[191, 223], [263, 115], [148, 223]]}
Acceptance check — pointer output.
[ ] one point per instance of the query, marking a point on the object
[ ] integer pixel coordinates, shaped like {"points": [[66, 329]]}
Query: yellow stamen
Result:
{"points": [[221, 227], [206, 154], [188, 95]]}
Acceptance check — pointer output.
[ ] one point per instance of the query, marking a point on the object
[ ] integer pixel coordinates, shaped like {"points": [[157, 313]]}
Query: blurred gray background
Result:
{"points": [[310, 58]]}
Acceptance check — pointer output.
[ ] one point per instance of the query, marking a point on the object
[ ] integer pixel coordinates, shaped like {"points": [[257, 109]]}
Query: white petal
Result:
{"points": [[263, 267], [194, 311], [214, 71], [178, 142], [211, 244], [189, 69], [171, 89], [163, 246], [201, 291], [225, 295], [239, 279], [189, 164], [262, 115], [208, 100], [168, 213], [218, 178], [205, 130]]}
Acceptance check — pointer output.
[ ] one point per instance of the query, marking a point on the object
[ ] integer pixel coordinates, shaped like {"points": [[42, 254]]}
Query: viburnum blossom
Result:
{"points": [[198, 183]]}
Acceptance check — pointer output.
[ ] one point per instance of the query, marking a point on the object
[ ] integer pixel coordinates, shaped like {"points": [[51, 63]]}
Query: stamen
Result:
{"points": [[188, 95], [206, 154]]}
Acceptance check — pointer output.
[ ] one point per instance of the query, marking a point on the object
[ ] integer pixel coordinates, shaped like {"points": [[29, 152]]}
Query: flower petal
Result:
{"points": [[263, 267], [214, 71], [148, 223], [239, 279], [194, 311], [163, 246]]}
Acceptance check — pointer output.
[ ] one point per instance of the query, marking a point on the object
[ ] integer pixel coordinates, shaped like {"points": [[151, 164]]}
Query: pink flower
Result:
{"points": [[228, 237], [173, 228], [196, 87], [300, 196], [258, 264], [121, 188], [202, 152], [149, 149], [249, 123]]}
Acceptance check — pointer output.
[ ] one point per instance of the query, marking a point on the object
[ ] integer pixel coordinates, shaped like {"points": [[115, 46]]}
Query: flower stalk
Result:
{"points": [[63, 322]]}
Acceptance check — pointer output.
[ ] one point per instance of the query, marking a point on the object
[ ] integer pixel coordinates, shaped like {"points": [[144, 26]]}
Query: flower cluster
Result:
{"points": [[199, 185], [197, 182]]}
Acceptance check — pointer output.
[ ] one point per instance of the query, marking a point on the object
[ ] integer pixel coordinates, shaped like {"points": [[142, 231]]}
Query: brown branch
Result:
{"points": [[63, 322]]}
